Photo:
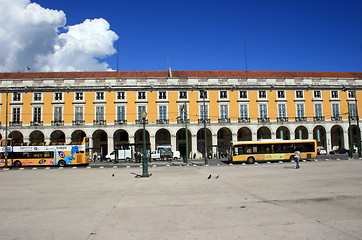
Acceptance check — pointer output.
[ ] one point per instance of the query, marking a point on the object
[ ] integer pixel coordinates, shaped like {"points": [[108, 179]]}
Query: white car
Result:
{"points": [[321, 151]]}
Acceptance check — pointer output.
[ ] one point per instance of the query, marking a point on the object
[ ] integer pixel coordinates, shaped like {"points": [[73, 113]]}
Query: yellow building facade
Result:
{"points": [[213, 106]]}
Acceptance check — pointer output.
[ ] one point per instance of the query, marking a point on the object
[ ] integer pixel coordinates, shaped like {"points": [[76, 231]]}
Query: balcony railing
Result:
{"points": [[162, 121], [202, 120], [57, 123], [318, 118], [78, 122], [99, 122], [300, 119], [182, 121], [282, 119], [224, 120], [336, 118], [243, 119], [264, 119], [120, 122], [36, 123], [140, 121], [16, 123]]}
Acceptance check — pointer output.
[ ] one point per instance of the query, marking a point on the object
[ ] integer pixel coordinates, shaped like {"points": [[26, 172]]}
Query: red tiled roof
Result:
{"points": [[180, 74]]}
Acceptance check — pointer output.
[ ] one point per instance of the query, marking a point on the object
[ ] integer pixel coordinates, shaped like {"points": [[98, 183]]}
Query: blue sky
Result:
{"points": [[280, 35]]}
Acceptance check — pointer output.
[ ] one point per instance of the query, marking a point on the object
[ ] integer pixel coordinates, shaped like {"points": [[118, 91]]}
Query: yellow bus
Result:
{"points": [[42, 154], [271, 150]]}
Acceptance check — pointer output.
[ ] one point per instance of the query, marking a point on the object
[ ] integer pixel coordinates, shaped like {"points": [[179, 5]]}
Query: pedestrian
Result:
{"points": [[297, 158]]}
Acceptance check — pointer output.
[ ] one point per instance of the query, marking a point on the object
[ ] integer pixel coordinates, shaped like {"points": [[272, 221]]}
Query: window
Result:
{"points": [[299, 94], [58, 96], [282, 110], [162, 112], [203, 112], [121, 96], [318, 110], [37, 96], [58, 114], [37, 114], [16, 96], [223, 94], [203, 94], [121, 113], [351, 94], [262, 94], [335, 110], [16, 115], [281, 94], [182, 95], [243, 94], [161, 95], [317, 94], [79, 96], [99, 95], [334, 94], [224, 111], [352, 110], [300, 110], [99, 113], [243, 111], [263, 110], [182, 112], [140, 110], [78, 114], [141, 95]]}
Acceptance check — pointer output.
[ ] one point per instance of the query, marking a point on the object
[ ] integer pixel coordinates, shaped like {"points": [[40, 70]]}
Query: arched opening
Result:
{"points": [[264, 133], [201, 138], [181, 141], [319, 134], [283, 133], [337, 137], [121, 139], [301, 132], [17, 137], [36, 138], [100, 143], [163, 137], [139, 140], [57, 137], [244, 134], [78, 136], [224, 137]]}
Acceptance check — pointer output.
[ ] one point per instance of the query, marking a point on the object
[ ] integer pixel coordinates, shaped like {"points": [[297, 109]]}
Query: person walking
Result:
{"points": [[297, 159]]}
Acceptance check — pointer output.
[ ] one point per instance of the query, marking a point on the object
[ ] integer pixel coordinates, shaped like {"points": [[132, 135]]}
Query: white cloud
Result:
{"points": [[29, 37]]}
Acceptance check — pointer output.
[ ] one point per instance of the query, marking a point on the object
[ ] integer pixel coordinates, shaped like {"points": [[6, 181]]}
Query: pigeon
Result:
{"points": [[113, 175], [217, 177], [209, 176]]}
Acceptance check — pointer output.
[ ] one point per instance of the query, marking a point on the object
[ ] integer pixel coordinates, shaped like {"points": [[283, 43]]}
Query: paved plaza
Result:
{"points": [[322, 200]]}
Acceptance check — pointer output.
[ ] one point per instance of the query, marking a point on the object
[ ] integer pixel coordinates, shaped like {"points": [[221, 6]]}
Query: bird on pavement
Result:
{"points": [[113, 175], [209, 176]]}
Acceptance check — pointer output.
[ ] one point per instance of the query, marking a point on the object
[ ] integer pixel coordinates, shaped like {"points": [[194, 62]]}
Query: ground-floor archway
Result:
{"points": [[181, 141], [244, 134]]}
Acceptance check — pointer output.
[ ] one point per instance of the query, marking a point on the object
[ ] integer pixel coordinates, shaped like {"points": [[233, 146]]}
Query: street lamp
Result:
{"points": [[144, 156], [204, 120]]}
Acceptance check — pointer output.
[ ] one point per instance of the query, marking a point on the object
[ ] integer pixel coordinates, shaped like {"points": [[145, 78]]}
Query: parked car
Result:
{"points": [[339, 151], [321, 151]]}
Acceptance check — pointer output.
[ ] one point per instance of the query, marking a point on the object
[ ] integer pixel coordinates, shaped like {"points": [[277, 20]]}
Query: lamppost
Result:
{"points": [[357, 123], [144, 155], [6, 129], [204, 120]]}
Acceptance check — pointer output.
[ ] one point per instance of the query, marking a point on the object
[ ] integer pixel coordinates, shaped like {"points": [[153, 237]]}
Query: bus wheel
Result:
{"points": [[291, 158], [251, 160], [17, 164], [61, 163]]}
